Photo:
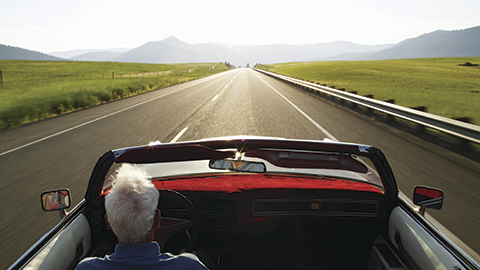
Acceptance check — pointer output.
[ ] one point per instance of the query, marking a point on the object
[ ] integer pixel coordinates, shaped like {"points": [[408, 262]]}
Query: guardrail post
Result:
{"points": [[421, 128], [354, 105], [420, 108], [465, 144], [1, 79], [464, 119], [342, 100], [369, 110], [390, 117]]}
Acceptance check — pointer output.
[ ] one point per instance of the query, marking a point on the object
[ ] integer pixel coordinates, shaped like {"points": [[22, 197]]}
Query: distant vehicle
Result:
{"points": [[248, 65], [261, 203]]}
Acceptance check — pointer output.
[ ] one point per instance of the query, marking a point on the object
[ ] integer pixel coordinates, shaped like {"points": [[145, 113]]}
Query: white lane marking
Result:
{"points": [[105, 116], [179, 135], [330, 136], [228, 84]]}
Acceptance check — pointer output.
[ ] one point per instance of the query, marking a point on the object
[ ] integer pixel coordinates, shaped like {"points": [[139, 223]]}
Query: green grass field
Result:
{"points": [[440, 84], [34, 90]]}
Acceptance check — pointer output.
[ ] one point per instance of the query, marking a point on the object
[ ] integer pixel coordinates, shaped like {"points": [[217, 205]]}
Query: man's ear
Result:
{"points": [[157, 218], [108, 224], [156, 223]]}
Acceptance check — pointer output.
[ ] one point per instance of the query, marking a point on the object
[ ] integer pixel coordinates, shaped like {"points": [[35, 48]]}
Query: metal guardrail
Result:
{"points": [[465, 131]]}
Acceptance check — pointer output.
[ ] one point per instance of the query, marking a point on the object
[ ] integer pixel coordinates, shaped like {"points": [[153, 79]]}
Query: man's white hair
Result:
{"points": [[131, 204]]}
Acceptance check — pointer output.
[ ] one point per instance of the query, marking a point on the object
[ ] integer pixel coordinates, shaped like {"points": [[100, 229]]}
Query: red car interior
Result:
{"points": [[231, 183]]}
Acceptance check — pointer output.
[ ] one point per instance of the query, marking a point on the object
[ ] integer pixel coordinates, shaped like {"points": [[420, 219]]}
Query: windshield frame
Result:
{"points": [[228, 147], [192, 168]]}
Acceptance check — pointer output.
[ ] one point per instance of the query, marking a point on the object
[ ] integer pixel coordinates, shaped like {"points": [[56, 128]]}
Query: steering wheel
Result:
{"points": [[169, 226]]}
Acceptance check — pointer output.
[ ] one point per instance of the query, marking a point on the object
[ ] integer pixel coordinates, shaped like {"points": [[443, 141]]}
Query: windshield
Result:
{"points": [[165, 170]]}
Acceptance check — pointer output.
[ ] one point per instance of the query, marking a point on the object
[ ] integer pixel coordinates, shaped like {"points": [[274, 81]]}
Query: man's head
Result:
{"points": [[131, 205]]}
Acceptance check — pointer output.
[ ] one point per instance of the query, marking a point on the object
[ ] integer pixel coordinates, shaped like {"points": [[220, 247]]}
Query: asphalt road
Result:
{"points": [[61, 152]]}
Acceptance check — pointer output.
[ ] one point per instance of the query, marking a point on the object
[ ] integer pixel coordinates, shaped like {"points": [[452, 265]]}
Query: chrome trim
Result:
{"points": [[363, 148], [119, 152]]}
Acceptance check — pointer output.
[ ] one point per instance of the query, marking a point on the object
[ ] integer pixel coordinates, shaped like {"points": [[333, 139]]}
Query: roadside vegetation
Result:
{"points": [[34, 90], [448, 87]]}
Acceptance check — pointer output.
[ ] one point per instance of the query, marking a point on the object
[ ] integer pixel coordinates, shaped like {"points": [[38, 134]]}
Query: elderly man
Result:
{"points": [[133, 216]]}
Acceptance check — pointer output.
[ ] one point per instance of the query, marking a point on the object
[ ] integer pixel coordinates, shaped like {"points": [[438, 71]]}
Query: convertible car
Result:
{"points": [[260, 203]]}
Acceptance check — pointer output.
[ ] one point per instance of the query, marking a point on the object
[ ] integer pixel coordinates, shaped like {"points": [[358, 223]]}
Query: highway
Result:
{"points": [[61, 151]]}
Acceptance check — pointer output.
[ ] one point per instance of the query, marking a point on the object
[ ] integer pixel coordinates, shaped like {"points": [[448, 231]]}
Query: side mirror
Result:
{"points": [[54, 200], [427, 197]]}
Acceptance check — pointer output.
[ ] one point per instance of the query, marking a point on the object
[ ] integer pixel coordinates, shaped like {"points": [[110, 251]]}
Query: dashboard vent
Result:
{"points": [[364, 208]]}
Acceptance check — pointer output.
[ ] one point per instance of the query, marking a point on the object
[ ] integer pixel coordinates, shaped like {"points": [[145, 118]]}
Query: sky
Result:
{"points": [[59, 25]]}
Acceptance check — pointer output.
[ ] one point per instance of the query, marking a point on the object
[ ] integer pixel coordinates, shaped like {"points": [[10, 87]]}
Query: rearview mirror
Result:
{"points": [[53, 200], [428, 197], [237, 165]]}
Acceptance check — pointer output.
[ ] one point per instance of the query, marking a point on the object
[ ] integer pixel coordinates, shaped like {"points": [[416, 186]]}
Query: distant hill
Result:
{"points": [[330, 49], [172, 50], [436, 44], [97, 56], [457, 43], [16, 53], [75, 53]]}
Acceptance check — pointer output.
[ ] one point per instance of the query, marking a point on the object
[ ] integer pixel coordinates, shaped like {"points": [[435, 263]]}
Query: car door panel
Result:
{"points": [[416, 244], [62, 251]]}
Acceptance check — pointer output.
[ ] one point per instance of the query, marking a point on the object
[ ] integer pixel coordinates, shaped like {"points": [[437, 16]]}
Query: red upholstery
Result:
{"points": [[230, 183]]}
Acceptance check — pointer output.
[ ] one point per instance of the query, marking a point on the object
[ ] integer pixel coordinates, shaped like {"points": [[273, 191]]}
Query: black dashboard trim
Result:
{"points": [[316, 207]]}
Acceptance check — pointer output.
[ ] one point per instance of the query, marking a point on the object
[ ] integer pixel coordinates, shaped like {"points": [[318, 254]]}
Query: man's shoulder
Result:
{"points": [[182, 261], [89, 263], [186, 260], [189, 256]]}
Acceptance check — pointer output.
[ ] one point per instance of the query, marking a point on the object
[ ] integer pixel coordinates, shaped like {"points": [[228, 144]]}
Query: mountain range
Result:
{"points": [[16, 53], [74, 53], [440, 43]]}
